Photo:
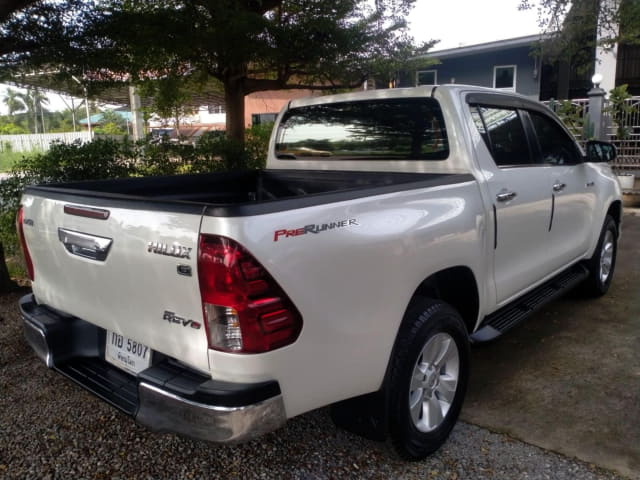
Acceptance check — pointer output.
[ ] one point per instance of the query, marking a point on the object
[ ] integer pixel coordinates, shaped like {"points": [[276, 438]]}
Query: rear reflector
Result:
{"points": [[245, 310], [23, 243]]}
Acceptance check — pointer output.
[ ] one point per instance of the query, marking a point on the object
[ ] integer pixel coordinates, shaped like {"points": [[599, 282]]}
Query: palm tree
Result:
{"points": [[13, 101], [35, 100]]}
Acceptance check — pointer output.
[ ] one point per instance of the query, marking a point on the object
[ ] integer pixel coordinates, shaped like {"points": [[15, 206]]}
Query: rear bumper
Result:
{"points": [[166, 397]]}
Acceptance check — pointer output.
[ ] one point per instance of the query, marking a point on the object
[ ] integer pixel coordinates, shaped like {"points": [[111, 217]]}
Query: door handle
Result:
{"points": [[559, 186], [506, 196], [85, 245]]}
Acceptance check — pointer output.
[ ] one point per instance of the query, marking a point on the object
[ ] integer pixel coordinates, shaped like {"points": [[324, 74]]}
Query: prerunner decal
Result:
{"points": [[313, 229]]}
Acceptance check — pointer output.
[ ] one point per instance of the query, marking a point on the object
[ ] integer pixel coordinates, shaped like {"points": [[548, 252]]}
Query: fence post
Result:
{"points": [[596, 112]]}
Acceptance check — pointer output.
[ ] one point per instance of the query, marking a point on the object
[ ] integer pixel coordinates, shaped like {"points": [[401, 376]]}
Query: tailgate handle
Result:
{"points": [[85, 245]]}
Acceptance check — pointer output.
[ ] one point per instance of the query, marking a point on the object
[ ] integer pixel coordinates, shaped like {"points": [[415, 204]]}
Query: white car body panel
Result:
{"points": [[129, 292], [351, 285]]}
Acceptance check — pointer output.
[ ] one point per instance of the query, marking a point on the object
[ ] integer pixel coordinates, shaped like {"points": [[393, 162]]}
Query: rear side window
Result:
{"points": [[504, 134], [385, 129], [556, 147]]}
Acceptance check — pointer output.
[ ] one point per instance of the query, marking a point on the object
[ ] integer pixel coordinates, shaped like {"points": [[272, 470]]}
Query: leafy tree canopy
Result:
{"points": [[246, 45], [575, 27]]}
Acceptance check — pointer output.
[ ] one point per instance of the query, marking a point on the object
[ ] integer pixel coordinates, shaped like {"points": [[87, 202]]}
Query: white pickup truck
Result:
{"points": [[391, 229]]}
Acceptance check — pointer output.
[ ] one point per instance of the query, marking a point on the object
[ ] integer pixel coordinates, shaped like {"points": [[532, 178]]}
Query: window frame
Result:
{"points": [[515, 78], [435, 77], [537, 146], [535, 157]]}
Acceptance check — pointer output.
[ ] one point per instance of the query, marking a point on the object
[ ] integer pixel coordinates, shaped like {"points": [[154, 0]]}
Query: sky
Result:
{"points": [[454, 22], [467, 22]]}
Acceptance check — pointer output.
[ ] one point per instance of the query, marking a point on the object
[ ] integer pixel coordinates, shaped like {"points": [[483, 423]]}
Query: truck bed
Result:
{"points": [[242, 193]]}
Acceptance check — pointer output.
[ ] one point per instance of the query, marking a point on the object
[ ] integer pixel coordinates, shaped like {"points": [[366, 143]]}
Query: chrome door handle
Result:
{"points": [[558, 186], [506, 196]]}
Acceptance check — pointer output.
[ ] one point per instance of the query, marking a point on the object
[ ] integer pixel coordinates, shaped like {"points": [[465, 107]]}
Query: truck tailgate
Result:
{"points": [[133, 273]]}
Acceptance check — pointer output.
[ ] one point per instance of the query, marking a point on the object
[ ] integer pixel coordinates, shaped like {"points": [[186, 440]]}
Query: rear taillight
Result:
{"points": [[245, 310], [23, 243]]}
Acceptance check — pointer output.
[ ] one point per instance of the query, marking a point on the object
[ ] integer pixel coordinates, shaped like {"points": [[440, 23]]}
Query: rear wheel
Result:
{"points": [[428, 379], [603, 262]]}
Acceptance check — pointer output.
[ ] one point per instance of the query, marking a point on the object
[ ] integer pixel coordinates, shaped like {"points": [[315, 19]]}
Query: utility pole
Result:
{"points": [[136, 113], [86, 104]]}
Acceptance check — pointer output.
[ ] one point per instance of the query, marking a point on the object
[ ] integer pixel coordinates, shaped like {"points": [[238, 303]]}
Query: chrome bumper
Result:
{"points": [[166, 412], [164, 398]]}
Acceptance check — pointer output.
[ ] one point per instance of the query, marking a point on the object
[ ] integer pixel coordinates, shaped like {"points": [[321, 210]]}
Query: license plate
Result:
{"points": [[127, 354]]}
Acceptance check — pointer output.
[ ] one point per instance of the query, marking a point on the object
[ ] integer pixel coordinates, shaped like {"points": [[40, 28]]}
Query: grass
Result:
{"points": [[9, 159]]}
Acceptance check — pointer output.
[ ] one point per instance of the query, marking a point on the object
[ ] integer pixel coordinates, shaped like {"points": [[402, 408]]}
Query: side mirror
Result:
{"points": [[600, 151]]}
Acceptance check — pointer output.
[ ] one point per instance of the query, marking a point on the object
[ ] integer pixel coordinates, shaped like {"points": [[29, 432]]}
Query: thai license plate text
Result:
{"points": [[126, 353]]}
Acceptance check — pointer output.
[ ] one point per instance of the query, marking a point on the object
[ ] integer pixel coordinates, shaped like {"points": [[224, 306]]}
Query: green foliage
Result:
{"points": [[9, 159], [100, 159], [571, 114], [111, 124], [109, 128], [12, 129], [171, 96], [575, 27], [620, 109], [13, 101]]}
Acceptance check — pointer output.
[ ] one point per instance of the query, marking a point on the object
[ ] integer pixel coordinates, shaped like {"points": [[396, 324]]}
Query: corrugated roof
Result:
{"points": [[485, 47], [97, 118]]}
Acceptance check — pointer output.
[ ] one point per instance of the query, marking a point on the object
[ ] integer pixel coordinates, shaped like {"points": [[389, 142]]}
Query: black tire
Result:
{"points": [[599, 279], [426, 321]]}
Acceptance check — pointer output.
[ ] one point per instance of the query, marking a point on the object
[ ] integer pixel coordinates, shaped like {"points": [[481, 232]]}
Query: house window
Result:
{"points": [[215, 109], [261, 118], [504, 77], [427, 77]]}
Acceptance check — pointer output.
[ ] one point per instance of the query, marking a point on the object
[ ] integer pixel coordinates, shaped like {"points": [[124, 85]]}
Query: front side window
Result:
{"points": [[384, 129], [427, 77], [503, 131], [504, 77], [556, 147]]}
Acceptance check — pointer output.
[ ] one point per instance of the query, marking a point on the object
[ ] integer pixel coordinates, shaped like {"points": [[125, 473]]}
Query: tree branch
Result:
{"points": [[262, 6], [258, 85], [7, 7]]}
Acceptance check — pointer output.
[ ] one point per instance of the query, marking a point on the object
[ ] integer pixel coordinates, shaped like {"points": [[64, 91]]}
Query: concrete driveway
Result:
{"points": [[568, 379]]}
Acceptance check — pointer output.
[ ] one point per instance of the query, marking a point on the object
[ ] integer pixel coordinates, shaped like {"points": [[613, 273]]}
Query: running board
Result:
{"points": [[519, 310]]}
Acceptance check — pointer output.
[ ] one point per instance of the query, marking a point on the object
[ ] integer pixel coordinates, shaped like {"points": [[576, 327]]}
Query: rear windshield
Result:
{"points": [[388, 129]]}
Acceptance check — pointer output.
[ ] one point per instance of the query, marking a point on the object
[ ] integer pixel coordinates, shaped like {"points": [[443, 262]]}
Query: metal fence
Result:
{"points": [[575, 114], [39, 141]]}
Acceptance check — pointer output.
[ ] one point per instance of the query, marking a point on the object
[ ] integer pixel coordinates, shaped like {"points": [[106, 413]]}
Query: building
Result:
{"points": [[515, 65], [504, 64]]}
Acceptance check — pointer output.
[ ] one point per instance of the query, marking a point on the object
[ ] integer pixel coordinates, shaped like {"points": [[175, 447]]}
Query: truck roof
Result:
{"points": [[421, 91]]}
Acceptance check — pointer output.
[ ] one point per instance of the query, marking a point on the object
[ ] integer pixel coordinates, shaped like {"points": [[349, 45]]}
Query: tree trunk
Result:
{"points": [[6, 284], [234, 102], [42, 118]]}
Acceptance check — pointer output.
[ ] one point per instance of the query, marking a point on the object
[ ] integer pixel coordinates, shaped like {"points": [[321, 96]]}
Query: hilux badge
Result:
{"points": [[175, 250]]}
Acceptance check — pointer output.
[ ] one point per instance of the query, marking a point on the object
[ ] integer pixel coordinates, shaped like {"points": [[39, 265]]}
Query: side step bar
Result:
{"points": [[514, 313]]}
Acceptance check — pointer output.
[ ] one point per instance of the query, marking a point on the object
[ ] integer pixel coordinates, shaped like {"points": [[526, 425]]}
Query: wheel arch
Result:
{"points": [[615, 210], [456, 286]]}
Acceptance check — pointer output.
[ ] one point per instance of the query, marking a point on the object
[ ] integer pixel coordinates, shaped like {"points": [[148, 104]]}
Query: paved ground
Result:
{"points": [[568, 379]]}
